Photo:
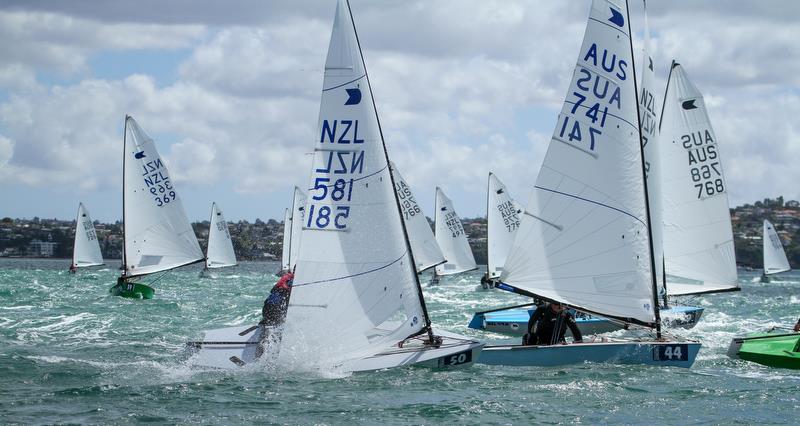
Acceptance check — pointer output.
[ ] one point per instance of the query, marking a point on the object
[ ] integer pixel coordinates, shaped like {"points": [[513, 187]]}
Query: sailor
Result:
{"points": [[548, 325], [276, 303], [485, 281], [72, 268]]}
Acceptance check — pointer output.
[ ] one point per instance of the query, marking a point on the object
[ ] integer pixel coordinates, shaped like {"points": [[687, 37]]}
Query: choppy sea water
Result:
{"points": [[70, 353]]}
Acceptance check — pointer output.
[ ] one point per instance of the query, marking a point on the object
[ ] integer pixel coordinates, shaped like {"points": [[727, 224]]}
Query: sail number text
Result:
{"points": [[453, 224], [89, 228], [408, 204], [509, 214], [157, 181], [337, 169], [705, 169]]}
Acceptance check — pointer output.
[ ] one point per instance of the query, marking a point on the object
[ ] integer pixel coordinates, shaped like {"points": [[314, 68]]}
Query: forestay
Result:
{"points": [[423, 244], [158, 235], [584, 238], [287, 238], [354, 269], [86, 251], [452, 238], [503, 217], [220, 247], [775, 260], [698, 239], [298, 218]]}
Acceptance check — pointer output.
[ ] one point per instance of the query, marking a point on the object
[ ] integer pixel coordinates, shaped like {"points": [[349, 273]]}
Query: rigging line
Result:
{"points": [[610, 26], [584, 184], [344, 84], [591, 201], [353, 275], [596, 230], [608, 113]]}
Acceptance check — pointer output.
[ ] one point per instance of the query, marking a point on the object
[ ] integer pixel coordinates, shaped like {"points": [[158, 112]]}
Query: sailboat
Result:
{"points": [[585, 238], [452, 239], [775, 260], [157, 236], [291, 231], [427, 253], [86, 250], [699, 256], [356, 302], [503, 218], [220, 246]]}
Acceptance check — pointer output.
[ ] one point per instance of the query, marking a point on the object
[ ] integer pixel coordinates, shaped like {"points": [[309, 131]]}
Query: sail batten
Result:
{"points": [[158, 236]]}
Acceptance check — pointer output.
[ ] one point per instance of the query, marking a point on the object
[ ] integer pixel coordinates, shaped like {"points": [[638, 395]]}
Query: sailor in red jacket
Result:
{"points": [[274, 310]]}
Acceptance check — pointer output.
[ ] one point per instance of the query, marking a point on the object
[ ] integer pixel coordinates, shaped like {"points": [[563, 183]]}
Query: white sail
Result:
{"points": [[503, 218], [298, 219], [427, 253], [452, 238], [355, 290], [698, 239], [220, 246], [86, 251], [158, 235], [775, 260], [648, 120], [287, 238], [584, 235]]}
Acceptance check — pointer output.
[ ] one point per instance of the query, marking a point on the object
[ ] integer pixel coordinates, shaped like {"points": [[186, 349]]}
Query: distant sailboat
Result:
{"points": [[585, 238], [220, 246], [356, 302], [291, 231], [157, 235], [287, 238], [452, 239], [86, 250], [775, 260], [427, 253], [699, 256], [503, 218]]}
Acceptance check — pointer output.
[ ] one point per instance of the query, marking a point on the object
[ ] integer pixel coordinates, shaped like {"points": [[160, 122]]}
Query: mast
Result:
{"points": [[488, 246], [666, 91], [427, 318], [644, 181], [210, 224], [124, 222], [75, 240]]}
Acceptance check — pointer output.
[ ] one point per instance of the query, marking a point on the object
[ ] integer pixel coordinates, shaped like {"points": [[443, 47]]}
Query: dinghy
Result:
{"points": [[356, 301], [86, 249], [775, 260], [698, 256], [220, 246], [585, 238], [291, 231], [503, 217], [781, 350], [157, 236], [427, 253], [452, 239]]}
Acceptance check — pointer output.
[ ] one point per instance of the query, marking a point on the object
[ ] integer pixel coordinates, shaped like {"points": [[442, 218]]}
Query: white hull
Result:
{"points": [[235, 347]]}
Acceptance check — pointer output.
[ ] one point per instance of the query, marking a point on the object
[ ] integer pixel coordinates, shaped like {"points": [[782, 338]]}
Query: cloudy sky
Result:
{"points": [[230, 93]]}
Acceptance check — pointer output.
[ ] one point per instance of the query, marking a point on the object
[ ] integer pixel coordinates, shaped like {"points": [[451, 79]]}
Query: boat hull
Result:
{"points": [[773, 350], [132, 290], [513, 322], [235, 347], [667, 354]]}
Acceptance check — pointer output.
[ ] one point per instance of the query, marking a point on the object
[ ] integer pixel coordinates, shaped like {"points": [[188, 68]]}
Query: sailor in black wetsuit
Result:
{"points": [[548, 325]]}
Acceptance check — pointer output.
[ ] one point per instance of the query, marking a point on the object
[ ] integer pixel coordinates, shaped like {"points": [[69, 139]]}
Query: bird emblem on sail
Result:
{"points": [[688, 105], [616, 18], [139, 155], [353, 96]]}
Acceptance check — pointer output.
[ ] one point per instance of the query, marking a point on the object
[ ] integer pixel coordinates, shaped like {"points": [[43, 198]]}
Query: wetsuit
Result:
{"points": [[277, 302], [548, 328]]}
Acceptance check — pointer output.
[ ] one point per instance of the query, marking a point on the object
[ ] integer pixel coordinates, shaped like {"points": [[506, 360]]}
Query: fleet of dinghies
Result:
{"points": [[628, 211]]}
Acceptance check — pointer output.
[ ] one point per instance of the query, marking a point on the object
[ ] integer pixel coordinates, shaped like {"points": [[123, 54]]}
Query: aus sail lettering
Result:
{"points": [[408, 205], [156, 180], [509, 214], [705, 168]]}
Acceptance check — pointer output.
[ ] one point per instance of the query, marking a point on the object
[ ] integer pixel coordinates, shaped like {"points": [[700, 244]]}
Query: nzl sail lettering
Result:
{"points": [[157, 180], [453, 224], [337, 170], [647, 121], [408, 204], [704, 166], [592, 97]]}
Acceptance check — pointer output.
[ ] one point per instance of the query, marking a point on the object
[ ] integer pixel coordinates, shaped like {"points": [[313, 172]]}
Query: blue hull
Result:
{"points": [[667, 354], [512, 322]]}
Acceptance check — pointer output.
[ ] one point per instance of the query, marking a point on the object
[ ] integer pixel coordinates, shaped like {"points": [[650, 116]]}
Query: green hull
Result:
{"points": [[782, 351], [132, 290]]}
